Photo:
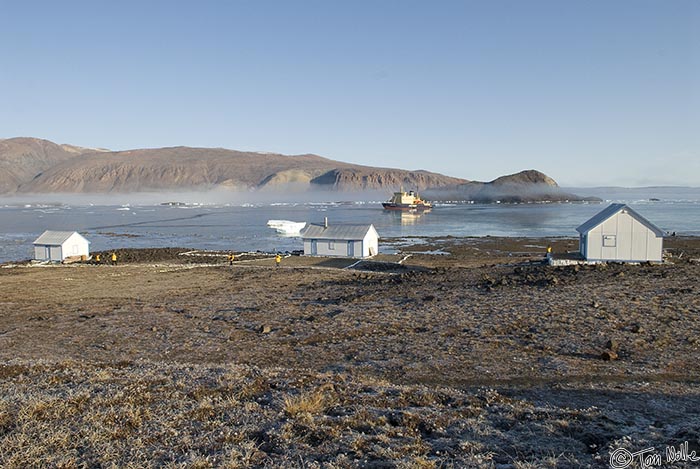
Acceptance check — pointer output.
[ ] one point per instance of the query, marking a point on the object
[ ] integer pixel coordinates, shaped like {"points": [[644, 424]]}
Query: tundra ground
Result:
{"points": [[476, 358]]}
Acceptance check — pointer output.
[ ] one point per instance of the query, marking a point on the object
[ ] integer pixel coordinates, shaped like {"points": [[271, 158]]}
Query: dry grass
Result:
{"points": [[146, 414], [312, 404]]}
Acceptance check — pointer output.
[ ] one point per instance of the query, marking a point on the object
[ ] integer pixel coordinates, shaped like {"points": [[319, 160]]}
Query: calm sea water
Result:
{"points": [[116, 224]]}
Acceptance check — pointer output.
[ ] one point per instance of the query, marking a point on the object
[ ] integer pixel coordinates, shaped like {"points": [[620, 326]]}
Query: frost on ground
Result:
{"points": [[458, 363], [143, 414]]}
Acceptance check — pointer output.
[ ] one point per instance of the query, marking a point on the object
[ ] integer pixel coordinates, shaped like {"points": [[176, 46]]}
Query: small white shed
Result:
{"points": [[340, 240], [59, 245], [620, 234]]}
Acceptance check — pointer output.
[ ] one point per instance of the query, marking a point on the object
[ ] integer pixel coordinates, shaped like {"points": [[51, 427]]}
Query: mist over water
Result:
{"points": [[289, 193], [238, 221]]}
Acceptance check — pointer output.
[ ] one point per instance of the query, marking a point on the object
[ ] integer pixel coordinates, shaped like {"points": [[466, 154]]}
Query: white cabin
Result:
{"points": [[620, 234], [58, 245], [340, 240]]}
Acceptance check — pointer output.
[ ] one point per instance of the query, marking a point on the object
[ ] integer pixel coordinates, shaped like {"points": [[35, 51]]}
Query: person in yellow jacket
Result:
{"points": [[278, 260], [97, 259], [114, 258], [231, 257]]}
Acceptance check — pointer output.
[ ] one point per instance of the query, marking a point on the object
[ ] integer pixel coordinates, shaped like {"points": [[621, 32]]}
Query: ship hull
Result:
{"points": [[405, 207]]}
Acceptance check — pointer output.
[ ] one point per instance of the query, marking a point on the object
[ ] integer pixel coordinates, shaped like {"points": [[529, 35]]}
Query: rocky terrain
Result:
{"points": [[39, 166], [477, 357]]}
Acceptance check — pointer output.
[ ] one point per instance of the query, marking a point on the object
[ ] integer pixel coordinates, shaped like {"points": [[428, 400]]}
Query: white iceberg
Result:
{"points": [[287, 227]]}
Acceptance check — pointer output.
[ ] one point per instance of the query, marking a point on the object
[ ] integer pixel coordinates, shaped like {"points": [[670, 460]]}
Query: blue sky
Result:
{"points": [[589, 92]]}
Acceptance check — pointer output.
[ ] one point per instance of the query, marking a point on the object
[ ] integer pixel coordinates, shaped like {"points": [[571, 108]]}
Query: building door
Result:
{"points": [[351, 248], [314, 248], [55, 253]]}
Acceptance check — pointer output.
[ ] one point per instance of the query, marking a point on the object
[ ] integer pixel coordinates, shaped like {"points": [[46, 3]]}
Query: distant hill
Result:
{"points": [[30, 165], [522, 187]]}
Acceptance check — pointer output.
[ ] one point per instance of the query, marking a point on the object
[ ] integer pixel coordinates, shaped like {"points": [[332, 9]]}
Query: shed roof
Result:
{"points": [[611, 210], [346, 232], [55, 238]]}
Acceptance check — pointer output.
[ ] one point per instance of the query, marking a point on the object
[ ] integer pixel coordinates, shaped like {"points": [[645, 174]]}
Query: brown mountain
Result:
{"points": [[358, 177], [80, 170], [29, 165], [21, 159], [525, 178]]}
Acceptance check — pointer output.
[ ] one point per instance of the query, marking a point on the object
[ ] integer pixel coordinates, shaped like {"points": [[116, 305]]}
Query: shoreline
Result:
{"points": [[470, 250]]}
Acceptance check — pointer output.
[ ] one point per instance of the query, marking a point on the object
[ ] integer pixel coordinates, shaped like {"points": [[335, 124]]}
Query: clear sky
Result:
{"points": [[589, 92]]}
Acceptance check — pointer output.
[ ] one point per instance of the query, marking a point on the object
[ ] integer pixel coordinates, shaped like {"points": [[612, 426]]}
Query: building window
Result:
{"points": [[609, 241], [331, 245]]}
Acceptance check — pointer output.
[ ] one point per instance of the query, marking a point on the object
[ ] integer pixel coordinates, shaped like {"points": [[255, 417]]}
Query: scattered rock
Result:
{"points": [[608, 355], [265, 329], [612, 345]]}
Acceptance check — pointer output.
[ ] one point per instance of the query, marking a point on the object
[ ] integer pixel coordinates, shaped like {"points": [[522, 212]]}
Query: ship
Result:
{"points": [[409, 201]]}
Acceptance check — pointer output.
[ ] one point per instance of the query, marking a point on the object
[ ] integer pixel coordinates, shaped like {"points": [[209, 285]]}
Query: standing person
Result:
{"points": [[97, 259], [278, 260], [114, 258], [230, 259]]}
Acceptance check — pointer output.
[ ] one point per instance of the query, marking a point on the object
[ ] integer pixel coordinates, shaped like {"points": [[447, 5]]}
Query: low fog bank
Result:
{"points": [[479, 193], [212, 197], [650, 194], [507, 193]]}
